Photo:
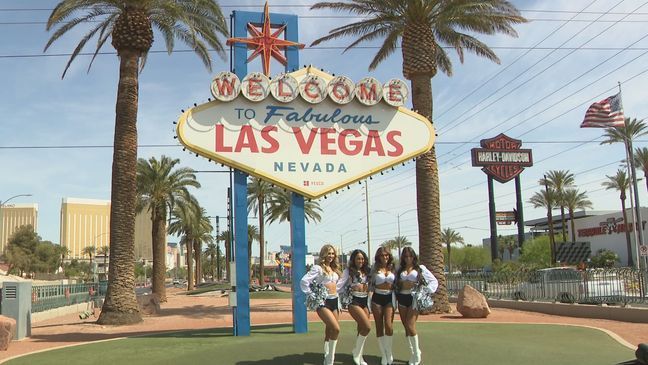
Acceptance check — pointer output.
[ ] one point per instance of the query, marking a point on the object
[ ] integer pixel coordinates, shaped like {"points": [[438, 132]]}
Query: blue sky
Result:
{"points": [[55, 135]]}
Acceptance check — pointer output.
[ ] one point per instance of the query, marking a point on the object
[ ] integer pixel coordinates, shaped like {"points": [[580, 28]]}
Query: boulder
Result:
{"points": [[7, 331], [472, 304], [642, 353], [149, 304]]}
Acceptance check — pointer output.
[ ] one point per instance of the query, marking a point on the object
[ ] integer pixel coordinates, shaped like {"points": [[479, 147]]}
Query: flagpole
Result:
{"points": [[634, 192], [632, 209]]}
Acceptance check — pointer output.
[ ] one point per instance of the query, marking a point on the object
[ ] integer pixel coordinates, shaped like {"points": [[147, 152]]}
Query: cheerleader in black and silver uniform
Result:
{"points": [[356, 279], [382, 307], [327, 274], [408, 276]]}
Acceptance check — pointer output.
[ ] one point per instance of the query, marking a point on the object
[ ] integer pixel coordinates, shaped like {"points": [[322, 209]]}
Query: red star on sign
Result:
{"points": [[266, 43]]}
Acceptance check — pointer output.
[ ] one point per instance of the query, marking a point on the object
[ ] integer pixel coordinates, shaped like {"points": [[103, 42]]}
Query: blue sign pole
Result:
{"points": [[240, 19], [241, 241], [298, 241]]}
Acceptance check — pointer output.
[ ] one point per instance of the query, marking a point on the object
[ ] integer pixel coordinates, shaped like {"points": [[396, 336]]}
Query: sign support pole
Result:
{"points": [[242, 316], [520, 214], [491, 213], [298, 242]]}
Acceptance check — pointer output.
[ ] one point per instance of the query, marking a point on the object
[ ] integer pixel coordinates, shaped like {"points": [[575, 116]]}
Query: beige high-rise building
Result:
{"points": [[13, 216], [86, 222]]}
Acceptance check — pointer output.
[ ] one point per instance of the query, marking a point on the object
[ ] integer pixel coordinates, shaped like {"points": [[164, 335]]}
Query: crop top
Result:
{"points": [[351, 281], [381, 278], [316, 275], [412, 276]]}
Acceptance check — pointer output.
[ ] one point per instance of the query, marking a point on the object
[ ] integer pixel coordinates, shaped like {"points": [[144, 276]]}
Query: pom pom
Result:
{"points": [[422, 298], [316, 297]]}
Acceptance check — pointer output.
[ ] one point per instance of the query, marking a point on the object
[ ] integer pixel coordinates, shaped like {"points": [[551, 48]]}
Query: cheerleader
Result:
{"points": [[326, 274], [355, 282], [382, 307], [410, 275]]}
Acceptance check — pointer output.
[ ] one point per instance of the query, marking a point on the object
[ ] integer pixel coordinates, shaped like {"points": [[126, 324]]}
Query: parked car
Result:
{"points": [[568, 285]]}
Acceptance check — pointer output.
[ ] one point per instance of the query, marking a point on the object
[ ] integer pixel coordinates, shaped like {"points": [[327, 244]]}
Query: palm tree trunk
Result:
{"points": [[552, 239], [449, 262], [428, 200], [159, 252], [228, 257], [197, 257], [563, 222], [261, 243], [627, 233], [573, 225], [189, 259], [120, 306]]}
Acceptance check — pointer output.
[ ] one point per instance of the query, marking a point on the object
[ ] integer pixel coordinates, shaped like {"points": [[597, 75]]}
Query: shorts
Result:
{"points": [[382, 300], [359, 301], [404, 300], [331, 304]]}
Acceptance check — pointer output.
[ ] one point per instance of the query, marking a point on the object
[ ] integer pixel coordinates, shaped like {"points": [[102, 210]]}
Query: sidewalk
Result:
{"points": [[210, 310]]}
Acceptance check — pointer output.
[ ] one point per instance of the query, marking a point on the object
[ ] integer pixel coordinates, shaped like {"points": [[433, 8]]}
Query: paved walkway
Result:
{"points": [[208, 311]]}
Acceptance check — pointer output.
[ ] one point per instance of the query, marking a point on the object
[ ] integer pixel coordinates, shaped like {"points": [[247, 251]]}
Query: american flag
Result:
{"points": [[605, 113]]}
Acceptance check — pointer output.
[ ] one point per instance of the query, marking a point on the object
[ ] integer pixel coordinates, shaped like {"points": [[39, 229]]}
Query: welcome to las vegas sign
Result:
{"points": [[307, 131]]}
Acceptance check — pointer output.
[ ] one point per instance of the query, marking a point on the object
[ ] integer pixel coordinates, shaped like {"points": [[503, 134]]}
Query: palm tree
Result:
{"points": [[183, 223], [641, 160], [253, 235], [573, 200], [258, 191], [90, 251], [559, 180], [159, 185], [546, 198], [129, 25], [450, 236], [423, 26], [225, 237], [397, 242], [278, 208], [201, 234], [105, 251], [621, 183], [212, 252]]}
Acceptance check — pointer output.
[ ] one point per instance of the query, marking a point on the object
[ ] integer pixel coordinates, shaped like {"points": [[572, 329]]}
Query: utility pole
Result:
{"points": [[368, 230]]}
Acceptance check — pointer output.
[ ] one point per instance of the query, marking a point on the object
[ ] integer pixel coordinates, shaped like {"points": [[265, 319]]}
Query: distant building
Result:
{"points": [[13, 217], [86, 222], [595, 230]]}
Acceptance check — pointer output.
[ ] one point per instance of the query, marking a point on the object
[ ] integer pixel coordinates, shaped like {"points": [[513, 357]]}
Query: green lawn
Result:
{"points": [[441, 343]]}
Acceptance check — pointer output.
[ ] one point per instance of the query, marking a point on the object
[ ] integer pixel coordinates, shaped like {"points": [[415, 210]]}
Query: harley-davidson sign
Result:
{"points": [[307, 131], [501, 157]]}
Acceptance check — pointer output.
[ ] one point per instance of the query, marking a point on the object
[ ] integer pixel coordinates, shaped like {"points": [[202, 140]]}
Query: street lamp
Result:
{"points": [[398, 215], [341, 236], [2, 204]]}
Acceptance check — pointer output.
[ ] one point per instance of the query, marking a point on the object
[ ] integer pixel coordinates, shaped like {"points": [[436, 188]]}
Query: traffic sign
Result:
{"points": [[643, 250]]}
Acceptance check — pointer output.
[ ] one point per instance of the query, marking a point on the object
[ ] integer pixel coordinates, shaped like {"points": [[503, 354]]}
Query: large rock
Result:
{"points": [[472, 304], [642, 353], [7, 331], [149, 304]]}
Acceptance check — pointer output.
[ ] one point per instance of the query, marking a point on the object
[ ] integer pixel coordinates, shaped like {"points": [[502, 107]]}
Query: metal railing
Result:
{"points": [[567, 285], [47, 297]]}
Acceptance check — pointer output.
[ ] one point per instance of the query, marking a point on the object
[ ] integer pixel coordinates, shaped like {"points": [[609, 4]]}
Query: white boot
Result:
{"points": [[409, 344], [357, 350], [326, 351], [332, 344], [416, 351], [387, 343], [383, 356]]}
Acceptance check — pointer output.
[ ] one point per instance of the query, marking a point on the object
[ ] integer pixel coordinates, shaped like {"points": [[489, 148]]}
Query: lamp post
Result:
{"points": [[398, 215], [341, 236], [2, 204]]}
